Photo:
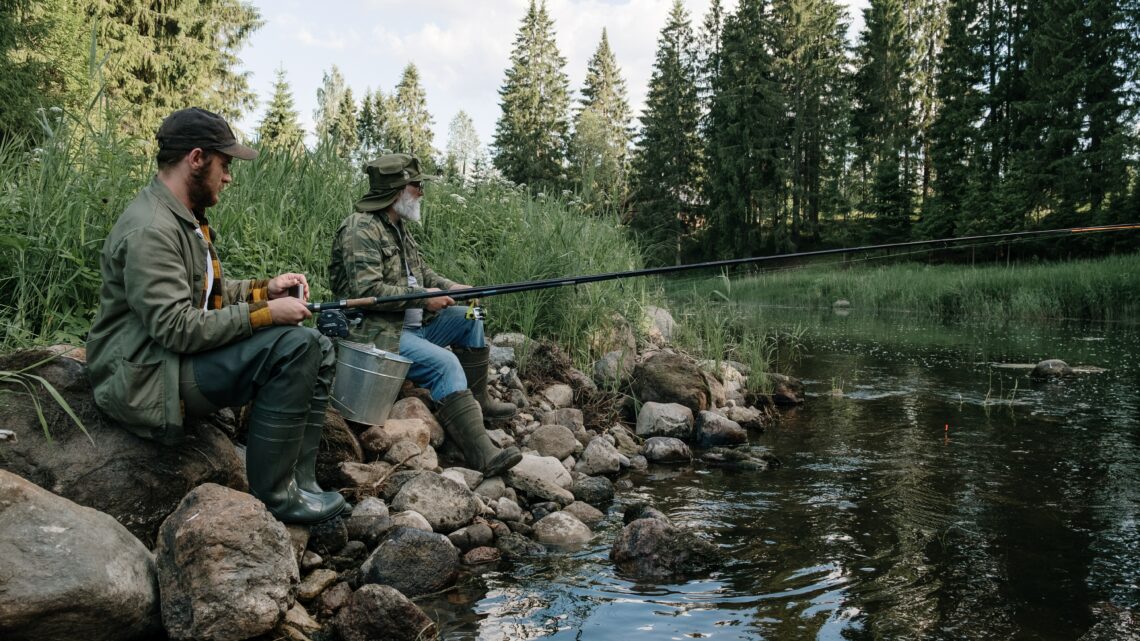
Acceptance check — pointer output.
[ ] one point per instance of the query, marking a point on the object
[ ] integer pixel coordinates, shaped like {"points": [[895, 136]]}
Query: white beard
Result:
{"points": [[407, 206]]}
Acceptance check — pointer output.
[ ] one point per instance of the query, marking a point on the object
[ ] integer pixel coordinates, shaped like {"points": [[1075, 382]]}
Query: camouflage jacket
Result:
{"points": [[368, 259]]}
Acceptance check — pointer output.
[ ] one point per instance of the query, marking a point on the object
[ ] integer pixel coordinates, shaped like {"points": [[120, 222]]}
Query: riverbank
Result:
{"points": [[1100, 289]]}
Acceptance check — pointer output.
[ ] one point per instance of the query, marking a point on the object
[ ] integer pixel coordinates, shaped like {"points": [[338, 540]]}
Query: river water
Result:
{"points": [[926, 492]]}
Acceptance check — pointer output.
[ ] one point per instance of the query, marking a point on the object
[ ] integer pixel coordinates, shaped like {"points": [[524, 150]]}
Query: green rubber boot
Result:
{"points": [[306, 472], [272, 447], [475, 361], [462, 419]]}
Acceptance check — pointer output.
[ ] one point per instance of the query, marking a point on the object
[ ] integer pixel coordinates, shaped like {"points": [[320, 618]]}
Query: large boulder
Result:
{"points": [[412, 407], [553, 440], [663, 449], [70, 572], [614, 369], [413, 561], [226, 568], [600, 457], [665, 419], [446, 505], [381, 612], [659, 325], [1051, 368], [105, 467], [714, 430], [668, 377], [561, 529], [653, 549], [542, 476]]}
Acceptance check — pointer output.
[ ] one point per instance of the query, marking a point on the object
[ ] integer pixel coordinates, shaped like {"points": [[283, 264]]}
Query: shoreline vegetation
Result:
{"points": [[281, 212]]}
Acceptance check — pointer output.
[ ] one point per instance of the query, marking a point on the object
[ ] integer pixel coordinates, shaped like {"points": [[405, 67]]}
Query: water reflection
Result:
{"points": [[925, 493]]}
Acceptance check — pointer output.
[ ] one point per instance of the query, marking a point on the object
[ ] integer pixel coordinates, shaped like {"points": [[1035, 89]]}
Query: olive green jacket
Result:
{"points": [[367, 261], [151, 303]]}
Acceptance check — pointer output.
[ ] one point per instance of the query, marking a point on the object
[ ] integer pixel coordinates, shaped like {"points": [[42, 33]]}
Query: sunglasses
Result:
{"points": [[417, 184]]}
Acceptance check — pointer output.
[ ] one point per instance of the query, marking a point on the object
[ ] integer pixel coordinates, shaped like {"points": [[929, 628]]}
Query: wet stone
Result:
{"points": [[328, 536], [595, 490], [481, 555]]}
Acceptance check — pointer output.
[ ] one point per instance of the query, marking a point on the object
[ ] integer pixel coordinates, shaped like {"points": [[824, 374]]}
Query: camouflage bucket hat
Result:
{"points": [[387, 176]]}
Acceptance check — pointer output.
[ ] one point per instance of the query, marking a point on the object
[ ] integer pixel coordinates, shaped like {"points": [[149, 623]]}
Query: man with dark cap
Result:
{"points": [[374, 255], [174, 338]]}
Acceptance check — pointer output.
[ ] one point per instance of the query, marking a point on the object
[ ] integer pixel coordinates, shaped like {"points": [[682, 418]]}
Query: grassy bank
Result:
{"points": [[1100, 289], [60, 201]]}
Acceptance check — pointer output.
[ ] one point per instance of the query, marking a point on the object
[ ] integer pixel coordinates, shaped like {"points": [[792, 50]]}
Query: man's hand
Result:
{"points": [[437, 303], [279, 286], [288, 310]]}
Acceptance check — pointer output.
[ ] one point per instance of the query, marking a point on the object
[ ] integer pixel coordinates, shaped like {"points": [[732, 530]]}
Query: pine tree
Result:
{"points": [[374, 126], [411, 120], [330, 96], [342, 130], [530, 136], [883, 119], [665, 166], [708, 48], [165, 55], [746, 137], [279, 128], [600, 144], [462, 147]]}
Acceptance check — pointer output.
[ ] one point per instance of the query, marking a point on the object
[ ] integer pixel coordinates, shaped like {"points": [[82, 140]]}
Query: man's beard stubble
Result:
{"points": [[199, 192], [407, 206]]}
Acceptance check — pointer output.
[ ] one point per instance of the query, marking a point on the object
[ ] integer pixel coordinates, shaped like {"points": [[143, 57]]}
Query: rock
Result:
{"points": [[517, 546], [749, 418], [364, 476], [328, 536], [447, 505], [624, 440], [714, 430], [615, 369], [662, 449], [226, 569], [298, 617], [553, 440], [561, 529], [410, 455], [381, 612], [338, 445], [595, 490], [586, 513], [638, 463], [502, 357], [349, 557], [655, 550], [542, 476], [510, 339], [391, 486], [616, 335], [412, 519], [333, 599], [414, 408], [786, 391], [667, 377], [70, 572], [493, 488], [508, 510], [600, 457], [558, 395], [472, 536], [579, 382], [1052, 368], [569, 417], [642, 511], [481, 555], [312, 586], [136, 481], [415, 430], [369, 521], [311, 561], [412, 561], [659, 324], [665, 419], [465, 477]]}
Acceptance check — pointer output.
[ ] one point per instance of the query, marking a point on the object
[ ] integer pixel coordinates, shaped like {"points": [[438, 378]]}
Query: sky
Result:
{"points": [[461, 47]]}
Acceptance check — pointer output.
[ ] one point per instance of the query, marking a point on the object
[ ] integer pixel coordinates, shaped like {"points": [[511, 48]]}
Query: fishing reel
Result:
{"points": [[336, 323], [474, 311]]}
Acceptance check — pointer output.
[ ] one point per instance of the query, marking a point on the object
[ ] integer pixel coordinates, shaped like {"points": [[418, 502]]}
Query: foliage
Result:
{"points": [[279, 128], [463, 148], [330, 97], [411, 122], [600, 144], [531, 134]]}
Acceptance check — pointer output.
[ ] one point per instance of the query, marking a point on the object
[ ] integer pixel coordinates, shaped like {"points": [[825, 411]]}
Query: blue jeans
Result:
{"points": [[435, 367]]}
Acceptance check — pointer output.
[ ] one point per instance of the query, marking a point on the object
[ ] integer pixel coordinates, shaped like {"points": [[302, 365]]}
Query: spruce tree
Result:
{"points": [[279, 128], [599, 147], [330, 96], [530, 136], [462, 147], [374, 126], [666, 163], [163, 56], [411, 120], [342, 130]]}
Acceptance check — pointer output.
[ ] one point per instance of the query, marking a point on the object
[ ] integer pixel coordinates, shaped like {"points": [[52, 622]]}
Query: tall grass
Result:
{"points": [[1098, 289], [59, 202]]}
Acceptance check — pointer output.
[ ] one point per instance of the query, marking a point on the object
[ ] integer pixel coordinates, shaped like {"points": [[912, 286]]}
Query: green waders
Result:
{"points": [[462, 419], [286, 372], [475, 361]]}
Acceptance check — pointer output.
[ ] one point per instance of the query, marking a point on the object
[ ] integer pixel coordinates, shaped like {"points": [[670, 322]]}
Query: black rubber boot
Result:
{"points": [[272, 448], [306, 471], [462, 419], [475, 361]]}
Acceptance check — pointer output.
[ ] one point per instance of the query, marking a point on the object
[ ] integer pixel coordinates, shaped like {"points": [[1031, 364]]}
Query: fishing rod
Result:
{"points": [[532, 285]]}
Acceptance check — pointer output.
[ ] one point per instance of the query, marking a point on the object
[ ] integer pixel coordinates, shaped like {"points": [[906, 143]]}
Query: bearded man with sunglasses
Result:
{"points": [[375, 255]]}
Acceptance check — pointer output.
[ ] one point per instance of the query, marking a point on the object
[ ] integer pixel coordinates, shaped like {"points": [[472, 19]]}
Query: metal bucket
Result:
{"points": [[367, 382]]}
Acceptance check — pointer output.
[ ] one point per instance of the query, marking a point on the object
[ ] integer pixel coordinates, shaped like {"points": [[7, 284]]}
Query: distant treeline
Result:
{"points": [[764, 130]]}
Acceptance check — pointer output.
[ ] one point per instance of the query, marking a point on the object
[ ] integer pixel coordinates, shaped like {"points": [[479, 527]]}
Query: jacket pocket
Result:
{"points": [[136, 396]]}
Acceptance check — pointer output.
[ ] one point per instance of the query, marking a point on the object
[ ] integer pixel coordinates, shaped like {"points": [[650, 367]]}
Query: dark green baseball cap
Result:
{"points": [[387, 175], [196, 128]]}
